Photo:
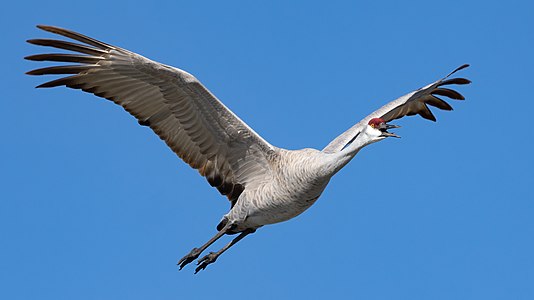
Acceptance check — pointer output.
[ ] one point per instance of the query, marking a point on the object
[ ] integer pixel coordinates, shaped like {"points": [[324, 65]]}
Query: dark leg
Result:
{"points": [[212, 256], [196, 251]]}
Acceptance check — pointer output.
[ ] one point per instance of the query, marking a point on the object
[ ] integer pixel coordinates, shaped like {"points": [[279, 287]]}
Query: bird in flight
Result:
{"points": [[264, 184]]}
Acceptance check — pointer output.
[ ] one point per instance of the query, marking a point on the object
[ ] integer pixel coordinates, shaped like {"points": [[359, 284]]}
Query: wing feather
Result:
{"points": [[173, 103], [67, 46], [414, 103]]}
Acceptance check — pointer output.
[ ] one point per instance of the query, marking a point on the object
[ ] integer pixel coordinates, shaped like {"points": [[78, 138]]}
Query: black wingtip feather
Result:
{"points": [[459, 81], [426, 113], [448, 93], [75, 36], [439, 103], [67, 46], [66, 81], [69, 69], [62, 57], [45, 85], [458, 69], [462, 67]]}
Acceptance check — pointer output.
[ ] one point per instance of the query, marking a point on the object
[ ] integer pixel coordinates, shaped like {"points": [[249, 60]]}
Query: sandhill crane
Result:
{"points": [[265, 184]]}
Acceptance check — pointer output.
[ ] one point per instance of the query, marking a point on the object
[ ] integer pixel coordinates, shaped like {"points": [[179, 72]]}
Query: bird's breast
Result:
{"points": [[284, 204]]}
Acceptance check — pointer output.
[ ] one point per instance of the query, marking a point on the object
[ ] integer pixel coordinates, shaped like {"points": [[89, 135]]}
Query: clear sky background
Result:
{"points": [[94, 206]]}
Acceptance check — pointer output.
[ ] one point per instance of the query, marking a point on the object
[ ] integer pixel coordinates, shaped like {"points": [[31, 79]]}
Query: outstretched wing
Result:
{"points": [[414, 103], [180, 110]]}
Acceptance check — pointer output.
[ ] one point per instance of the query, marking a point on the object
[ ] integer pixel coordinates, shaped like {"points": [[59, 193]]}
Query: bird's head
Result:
{"points": [[377, 129]]}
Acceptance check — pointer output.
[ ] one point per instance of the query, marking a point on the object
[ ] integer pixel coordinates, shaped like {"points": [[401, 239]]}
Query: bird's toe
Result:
{"points": [[191, 256], [206, 260]]}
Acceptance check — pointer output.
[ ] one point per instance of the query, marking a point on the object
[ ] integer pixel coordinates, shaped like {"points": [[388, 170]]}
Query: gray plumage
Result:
{"points": [[265, 184]]}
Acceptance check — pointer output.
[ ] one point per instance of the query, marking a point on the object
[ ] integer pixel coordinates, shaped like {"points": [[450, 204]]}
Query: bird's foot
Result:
{"points": [[206, 260], [191, 256]]}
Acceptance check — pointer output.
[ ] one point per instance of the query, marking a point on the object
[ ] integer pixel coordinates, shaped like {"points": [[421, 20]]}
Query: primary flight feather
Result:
{"points": [[265, 184]]}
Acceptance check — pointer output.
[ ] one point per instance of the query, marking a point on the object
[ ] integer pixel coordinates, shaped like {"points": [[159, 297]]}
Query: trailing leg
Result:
{"points": [[197, 251], [212, 256]]}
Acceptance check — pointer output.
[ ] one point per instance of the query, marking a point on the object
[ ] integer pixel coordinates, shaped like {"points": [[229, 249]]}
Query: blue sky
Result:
{"points": [[94, 206]]}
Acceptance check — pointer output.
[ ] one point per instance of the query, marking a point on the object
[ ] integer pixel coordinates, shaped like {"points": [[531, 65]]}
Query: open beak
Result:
{"points": [[385, 133]]}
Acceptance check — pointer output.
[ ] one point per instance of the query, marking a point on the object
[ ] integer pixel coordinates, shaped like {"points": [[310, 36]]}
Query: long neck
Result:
{"points": [[343, 157]]}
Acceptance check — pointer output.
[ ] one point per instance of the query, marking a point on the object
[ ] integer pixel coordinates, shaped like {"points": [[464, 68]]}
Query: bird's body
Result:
{"points": [[265, 184], [298, 179]]}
